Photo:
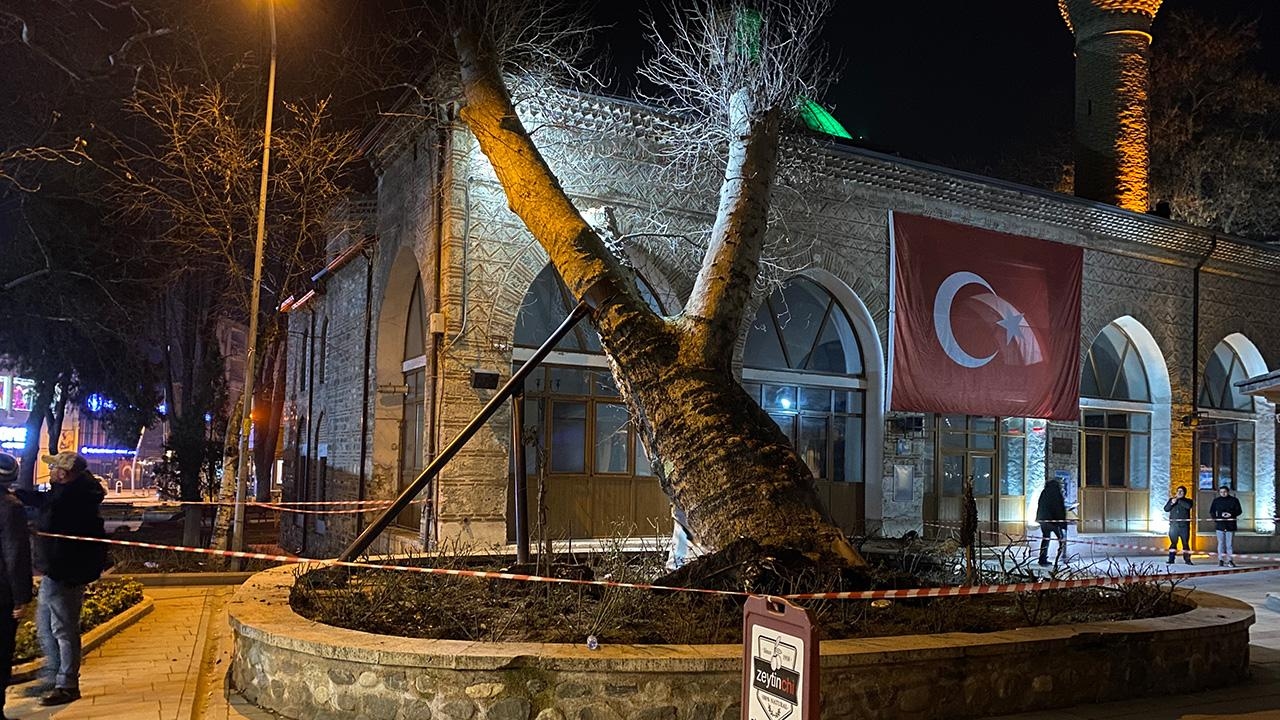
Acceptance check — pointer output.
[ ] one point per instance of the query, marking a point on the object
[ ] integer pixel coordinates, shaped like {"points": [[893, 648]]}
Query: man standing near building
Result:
{"points": [[1224, 510], [15, 568], [69, 508], [1179, 509]]}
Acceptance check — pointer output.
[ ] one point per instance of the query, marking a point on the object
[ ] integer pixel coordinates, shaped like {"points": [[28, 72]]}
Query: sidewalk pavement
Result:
{"points": [[172, 664]]}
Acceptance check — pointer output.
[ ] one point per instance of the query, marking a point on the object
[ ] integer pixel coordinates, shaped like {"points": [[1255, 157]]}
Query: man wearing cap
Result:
{"points": [[69, 508], [15, 568]]}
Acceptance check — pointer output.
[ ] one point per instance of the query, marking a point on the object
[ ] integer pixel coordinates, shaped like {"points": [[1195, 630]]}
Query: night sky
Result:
{"points": [[956, 83]]}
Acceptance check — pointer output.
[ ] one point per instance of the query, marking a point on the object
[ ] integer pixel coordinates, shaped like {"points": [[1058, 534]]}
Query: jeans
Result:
{"points": [[58, 626], [1179, 530], [1048, 528], [1225, 538]]}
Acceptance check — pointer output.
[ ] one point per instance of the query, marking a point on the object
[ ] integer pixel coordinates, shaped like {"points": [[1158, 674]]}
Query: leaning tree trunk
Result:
{"points": [[724, 462], [35, 420], [267, 420]]}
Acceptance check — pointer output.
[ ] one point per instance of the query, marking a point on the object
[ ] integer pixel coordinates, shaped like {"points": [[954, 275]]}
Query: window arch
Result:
{"points": [[1113, 368], [1221, 373], [324, 349], [803, 363], [548, 302], [415, 330]]}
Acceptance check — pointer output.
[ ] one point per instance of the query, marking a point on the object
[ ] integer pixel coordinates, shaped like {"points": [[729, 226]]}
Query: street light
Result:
{"points": [[246, 425]]}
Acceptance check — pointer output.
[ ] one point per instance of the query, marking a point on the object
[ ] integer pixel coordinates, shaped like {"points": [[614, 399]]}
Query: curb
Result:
{"points": [[184, 579], [92, 639]]}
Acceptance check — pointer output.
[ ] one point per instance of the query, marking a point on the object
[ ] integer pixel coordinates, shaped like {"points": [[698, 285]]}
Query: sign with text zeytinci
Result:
{"points": [[780, 662], [984, 322]]}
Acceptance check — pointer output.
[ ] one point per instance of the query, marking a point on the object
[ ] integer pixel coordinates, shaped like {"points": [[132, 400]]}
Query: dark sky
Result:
{"points": [[957, 83]]}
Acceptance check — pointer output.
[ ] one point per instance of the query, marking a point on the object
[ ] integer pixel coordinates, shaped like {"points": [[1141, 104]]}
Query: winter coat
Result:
{"points": [[1179, 510], [15, 552], [1224, 511], [70, 508], [1052, 508]]}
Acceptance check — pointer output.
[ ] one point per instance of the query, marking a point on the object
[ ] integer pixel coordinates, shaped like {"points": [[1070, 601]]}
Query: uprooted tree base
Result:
{"points": [[461, 608]]}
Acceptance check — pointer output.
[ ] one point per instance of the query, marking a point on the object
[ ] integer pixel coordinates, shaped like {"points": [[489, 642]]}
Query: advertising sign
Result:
{"points": [[780, 662]]}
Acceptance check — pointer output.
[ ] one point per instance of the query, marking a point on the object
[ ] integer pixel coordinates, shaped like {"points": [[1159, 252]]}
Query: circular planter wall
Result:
{"points": [[303, 669]]}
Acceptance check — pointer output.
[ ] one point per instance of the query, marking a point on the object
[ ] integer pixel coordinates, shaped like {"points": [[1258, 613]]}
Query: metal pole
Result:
{"points": [[246, 424], [520, 483], [366, 538]]}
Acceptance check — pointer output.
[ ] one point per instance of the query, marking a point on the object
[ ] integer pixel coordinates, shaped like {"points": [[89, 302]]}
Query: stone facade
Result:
{"points": [[300, 669], [441, 216]]}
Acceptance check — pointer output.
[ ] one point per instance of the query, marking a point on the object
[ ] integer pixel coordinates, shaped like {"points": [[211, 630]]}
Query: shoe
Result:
{"points": [[1188, 561], [1044, 563], [1232, 563], [60, 696], [1221, 564]]}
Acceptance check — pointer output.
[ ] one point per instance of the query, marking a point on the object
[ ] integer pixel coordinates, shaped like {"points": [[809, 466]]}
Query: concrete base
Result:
{"points": [[301, 669]]}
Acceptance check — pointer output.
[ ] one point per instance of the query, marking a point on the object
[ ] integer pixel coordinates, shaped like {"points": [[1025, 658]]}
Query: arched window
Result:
{"points": [[803, 364], [1225, 435], [1115, 457], [598, 475], [413, 425]]}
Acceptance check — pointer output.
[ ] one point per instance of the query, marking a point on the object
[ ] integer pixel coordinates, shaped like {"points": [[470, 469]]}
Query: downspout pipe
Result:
{"points": [[1193, 418], [362, 482], [311, 418]]}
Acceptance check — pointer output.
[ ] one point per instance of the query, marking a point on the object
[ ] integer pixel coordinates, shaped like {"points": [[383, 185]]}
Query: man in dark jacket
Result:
{"points": [[15, 568], [1224, 510], [1179, 509], [69, 508], [1051, 513]]}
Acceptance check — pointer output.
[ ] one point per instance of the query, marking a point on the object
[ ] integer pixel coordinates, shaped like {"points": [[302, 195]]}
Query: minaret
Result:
{"points": [[1113, 87]]}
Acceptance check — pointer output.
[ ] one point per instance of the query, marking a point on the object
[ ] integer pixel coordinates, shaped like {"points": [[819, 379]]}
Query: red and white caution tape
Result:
{"points": [[931, 592]]}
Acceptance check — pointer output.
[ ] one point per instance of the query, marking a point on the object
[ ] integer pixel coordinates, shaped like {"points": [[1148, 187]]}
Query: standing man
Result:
{"points": [[1224, 510], [69, 508], [1179, 509], [15, 568], [1051, 513]]}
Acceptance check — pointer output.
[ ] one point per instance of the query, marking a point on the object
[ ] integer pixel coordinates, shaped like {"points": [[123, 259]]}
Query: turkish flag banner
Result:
{"points": [[984, 323]]}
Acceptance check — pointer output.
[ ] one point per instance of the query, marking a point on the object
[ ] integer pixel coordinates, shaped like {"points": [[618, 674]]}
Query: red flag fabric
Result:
{"points": [[985, 323]]}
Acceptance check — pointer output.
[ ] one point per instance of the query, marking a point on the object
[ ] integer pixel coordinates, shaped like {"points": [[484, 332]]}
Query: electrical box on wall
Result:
{"points": [[436, 323]]}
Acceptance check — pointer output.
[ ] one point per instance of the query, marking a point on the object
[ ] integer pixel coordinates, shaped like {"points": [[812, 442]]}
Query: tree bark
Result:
{"points": [[35, 420], [266, 422], [227, 489], [722, 459]]}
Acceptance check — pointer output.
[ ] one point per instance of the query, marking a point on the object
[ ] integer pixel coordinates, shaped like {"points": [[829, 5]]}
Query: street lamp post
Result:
{"points": [[246, 426]]}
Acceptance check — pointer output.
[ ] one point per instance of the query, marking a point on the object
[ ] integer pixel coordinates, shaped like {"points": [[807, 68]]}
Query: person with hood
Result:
{"points": [[1051, 513], [15, 569], [1224, 510], [1179, 509], [71, 507]]}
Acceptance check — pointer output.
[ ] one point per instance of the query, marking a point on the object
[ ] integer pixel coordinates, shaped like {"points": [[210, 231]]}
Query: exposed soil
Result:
{"points": [[448, 607]]}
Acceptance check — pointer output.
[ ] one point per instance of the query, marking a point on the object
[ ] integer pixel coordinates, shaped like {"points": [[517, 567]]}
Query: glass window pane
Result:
{"points": [[800, 315], [534, 442], [1118, 420], [1013, 466], [829, 354], [542, 310], [779, 397], [815, 399], [846, 461], [1093, 460], [611, 440], [952, 475], [1139, 461], [568, 437], [838, 325], [570, 381], [982, 433], [1095, 419], [604, 384], [536, 383], [763, 347], [753, 389], [1105, 354], [953, 431], [644, 468], [983, 469], [786, 423], [1227, 463], [812, 445], [1244, 466], [1206, 461], [1117, 470], [1133, 384]]}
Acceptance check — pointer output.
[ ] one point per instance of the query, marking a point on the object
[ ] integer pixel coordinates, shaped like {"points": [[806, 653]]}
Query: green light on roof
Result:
{"points": [[817, 118]]}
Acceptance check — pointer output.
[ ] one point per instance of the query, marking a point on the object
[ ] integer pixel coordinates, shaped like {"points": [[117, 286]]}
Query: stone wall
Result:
{"points": [[301, 669]]}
